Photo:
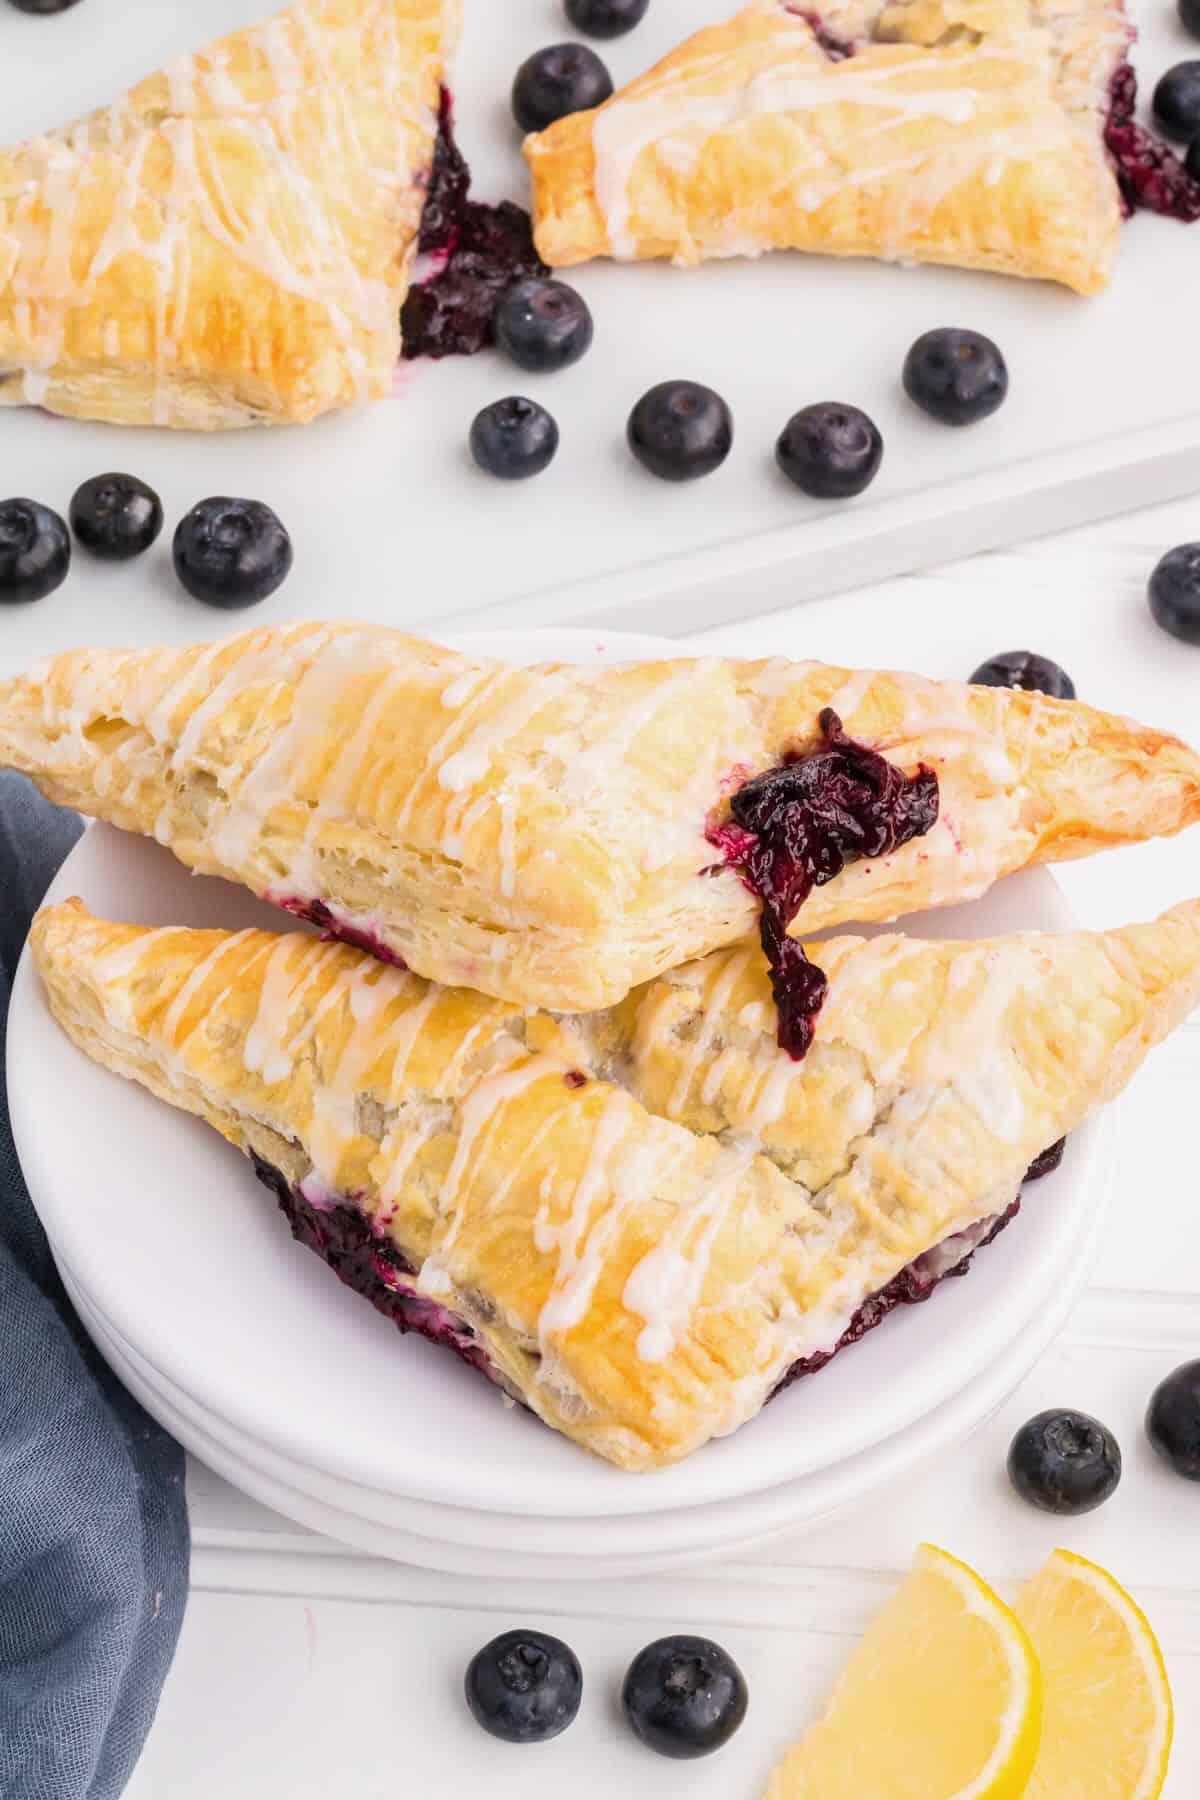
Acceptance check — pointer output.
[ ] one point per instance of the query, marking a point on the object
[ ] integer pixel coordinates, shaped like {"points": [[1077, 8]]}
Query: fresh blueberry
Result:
{"points": [[524, 1687], [1175, 593], [1025, 669], [231, 553], [42, 6], [35, 551], [565, 78], [830, 451], [116, 516], [1064, 1462], [1189, 13], [606, 18], [684, 1696], [543, 325], [514, 439], [1177, 102], [1191, 161], [1173, 1421], [958, 377], [681, 430]]}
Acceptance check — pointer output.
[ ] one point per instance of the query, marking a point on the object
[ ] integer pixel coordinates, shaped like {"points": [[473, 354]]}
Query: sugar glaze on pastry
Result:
{"points": [[544, 834], [968, 132], [230, 242], [638, 1221]]}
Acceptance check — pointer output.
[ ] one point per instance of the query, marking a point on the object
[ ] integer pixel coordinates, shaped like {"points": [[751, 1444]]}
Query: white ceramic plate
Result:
{"points": [[183, 1252], [390, 518], [448, 1539]]}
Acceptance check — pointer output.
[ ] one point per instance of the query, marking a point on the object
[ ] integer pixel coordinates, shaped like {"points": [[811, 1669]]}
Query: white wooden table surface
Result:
{"points": [[308, 1670]]}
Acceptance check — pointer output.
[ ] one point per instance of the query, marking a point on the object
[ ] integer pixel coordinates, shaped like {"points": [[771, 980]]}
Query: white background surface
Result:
{"points": [[1108, 389], [307, 1672]]}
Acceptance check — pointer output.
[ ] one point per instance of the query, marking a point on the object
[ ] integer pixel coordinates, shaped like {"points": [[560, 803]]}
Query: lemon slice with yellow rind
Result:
{"points": [[942, 1699], [1109, 1718]]}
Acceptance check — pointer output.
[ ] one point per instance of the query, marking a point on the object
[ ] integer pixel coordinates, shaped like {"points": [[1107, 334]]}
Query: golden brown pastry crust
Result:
{"points": [[230, 242], [641, 1282], [540, 834], [968, 132]]}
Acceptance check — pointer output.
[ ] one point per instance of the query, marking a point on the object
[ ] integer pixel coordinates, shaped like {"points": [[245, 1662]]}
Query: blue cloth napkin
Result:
{"points": [[93, 1519]]}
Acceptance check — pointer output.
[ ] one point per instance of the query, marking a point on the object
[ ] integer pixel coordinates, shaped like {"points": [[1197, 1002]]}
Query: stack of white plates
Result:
{"points": [[242, 1344]]}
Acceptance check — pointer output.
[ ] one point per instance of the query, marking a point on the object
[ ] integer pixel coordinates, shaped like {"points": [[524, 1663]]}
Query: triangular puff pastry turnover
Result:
{"points": [[557, 835], [969, 132], [641, 1224], [230, 242]]}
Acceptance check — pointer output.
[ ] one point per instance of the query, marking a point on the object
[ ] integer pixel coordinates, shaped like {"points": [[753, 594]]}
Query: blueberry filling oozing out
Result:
{"points": [[911, 1287], [333, 928], [1047, 1162], [1149, 173], [482, 251], [795, 828], [371, 1265]]}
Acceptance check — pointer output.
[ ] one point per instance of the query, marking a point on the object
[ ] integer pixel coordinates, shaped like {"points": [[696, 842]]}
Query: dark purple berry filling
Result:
{"points": [[795, 828], [911, 1287], [837, 49], [1149, 173], [331, 926], [371, 1265], [1047, 1162], [482, 251]]}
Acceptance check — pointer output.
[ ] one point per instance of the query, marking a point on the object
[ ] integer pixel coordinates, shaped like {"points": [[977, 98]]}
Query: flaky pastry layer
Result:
{"points": [[644, 1218]]}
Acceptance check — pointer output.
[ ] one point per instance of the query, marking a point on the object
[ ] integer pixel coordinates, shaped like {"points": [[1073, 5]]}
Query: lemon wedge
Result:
{"points": [[942, 1700], [1109, 1718]]}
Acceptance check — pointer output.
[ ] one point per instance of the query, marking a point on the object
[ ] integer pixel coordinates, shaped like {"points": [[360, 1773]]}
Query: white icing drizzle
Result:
{"points": [[476, 1115], [174, 1015], [116, 966], [581, 1241], [664, 1288], [468, 766], [623, 129]]}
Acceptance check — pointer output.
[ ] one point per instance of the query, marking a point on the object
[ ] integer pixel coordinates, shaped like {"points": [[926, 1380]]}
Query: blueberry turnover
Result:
{"points": [[684, 802], [989, 138], [823, 1185], [230, 243]]}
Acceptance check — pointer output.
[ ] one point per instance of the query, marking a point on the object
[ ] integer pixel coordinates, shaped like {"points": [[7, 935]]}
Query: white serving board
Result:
{"points": [[392, 522]]}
